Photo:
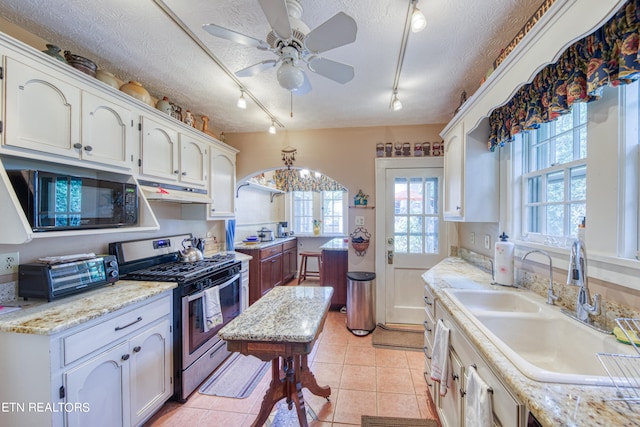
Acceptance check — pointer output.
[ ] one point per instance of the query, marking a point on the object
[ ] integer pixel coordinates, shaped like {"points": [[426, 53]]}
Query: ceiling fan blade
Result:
{"points": [[305, 88], [278, 17], [335, 32], [256, 68], [227, 34], [336, 71]]}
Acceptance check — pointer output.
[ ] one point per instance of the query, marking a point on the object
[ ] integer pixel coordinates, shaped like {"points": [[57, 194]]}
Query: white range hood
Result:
{"points": [[173, 193]]}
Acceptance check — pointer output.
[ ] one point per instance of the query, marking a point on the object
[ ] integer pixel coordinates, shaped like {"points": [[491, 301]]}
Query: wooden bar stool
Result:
{"points": [[304, 273]]}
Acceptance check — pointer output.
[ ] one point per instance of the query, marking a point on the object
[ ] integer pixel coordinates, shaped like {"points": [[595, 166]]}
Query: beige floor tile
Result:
{"points": [[394, 380], [415, 359], [360, 355], [359, 341], [391, 358], [322, 407], [177, 417], [398, 405], [355, 377], [330, 353], [352, 404], [221, 418], [419, 383], [327, 373], [336, 336]]}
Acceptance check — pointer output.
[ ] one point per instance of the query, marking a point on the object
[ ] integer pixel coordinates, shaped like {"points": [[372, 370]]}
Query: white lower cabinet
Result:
{"points": [[112, 371], [507, 411], [244, 282]]}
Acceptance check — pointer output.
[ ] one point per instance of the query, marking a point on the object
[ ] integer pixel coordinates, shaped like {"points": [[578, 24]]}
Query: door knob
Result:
{"points": [[389, 257], [390, 240]]}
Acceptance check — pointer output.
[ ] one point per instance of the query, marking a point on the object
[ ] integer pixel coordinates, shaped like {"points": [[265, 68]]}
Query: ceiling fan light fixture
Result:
{"points": [[242, 102], [418, 21], [290, 77], [272, 128]]}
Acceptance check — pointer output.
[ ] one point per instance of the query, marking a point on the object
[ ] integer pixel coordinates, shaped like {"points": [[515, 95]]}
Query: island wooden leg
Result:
{"points": [[275, 392], [308, 380]]}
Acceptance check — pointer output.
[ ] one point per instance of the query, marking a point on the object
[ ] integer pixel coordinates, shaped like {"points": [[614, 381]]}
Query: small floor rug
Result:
{"points": [[237, 377], [372, 421], [283, 417], [397, 338]]}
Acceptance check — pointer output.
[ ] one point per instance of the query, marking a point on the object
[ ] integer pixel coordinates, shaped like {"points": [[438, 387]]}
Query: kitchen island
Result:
{"points": [[282, 327], [552, 404], [334, 269], [103, 357]]}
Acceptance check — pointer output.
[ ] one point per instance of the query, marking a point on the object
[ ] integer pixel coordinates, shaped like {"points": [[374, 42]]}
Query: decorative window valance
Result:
{"points": [[608, 56], [294, 180]]}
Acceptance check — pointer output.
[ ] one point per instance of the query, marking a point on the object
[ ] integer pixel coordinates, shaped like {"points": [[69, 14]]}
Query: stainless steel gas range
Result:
{"points": [[197, 351]]}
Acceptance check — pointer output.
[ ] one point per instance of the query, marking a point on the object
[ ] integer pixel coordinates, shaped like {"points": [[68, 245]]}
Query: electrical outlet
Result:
{"points": [[9, 263], [487, 241], [359, 220], [472, 238]]}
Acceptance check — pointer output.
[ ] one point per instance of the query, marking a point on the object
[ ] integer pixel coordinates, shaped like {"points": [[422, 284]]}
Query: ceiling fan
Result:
{"points": [[293, 43]]}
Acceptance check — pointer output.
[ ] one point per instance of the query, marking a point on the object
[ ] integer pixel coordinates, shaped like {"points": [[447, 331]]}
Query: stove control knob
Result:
{"points": [[112, 264], [113, 274]]}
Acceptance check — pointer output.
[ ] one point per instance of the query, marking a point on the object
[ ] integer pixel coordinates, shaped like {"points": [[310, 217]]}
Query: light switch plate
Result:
{"points": [[487, 241], [359, 220]]}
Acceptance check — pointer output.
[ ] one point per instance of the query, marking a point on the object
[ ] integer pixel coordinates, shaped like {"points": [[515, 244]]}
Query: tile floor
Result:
{"points": [[364, 381]]}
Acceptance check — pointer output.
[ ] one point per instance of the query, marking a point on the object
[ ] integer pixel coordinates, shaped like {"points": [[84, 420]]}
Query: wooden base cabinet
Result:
{"points": [[112, 371], [270, 267], [334, 274], [507, 411]]}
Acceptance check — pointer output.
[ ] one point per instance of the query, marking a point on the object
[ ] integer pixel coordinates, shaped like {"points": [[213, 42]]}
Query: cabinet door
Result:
{"points": [[289, 264], [194, 161], [159, 150], [450, 405], [106, 131], [101, 385], [271, 273], [42, 112], [454, 173], [150, 370], [223, 184]]}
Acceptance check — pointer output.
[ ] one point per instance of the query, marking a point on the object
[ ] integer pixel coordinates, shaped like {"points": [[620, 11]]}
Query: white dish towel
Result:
{"points": [[211, 309], [478, 411], [440, 357]]}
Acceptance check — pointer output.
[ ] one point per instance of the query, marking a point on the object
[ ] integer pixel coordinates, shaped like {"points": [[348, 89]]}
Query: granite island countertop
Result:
{"points": [[337, 244], [284, 314], [47, 318], [262, 245], [553, 404]]}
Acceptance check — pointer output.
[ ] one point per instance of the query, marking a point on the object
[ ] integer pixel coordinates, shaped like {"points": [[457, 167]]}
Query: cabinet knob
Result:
{"points": [[176, 171], [125, 357], [137, 349], [88, 148], [184, 174], [458, 208], [77, 145]]}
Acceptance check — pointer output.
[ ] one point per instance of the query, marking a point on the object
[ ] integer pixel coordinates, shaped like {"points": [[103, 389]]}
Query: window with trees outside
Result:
{"points": [[327, 206], [554, 178]]}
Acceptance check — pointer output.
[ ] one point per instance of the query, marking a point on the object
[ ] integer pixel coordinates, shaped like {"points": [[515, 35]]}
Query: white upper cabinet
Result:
{"points": [[107, 131], [194, 161], [222, 183], [172, 156], [453, 173], [49, 114], [42, 111], [159, 150]]}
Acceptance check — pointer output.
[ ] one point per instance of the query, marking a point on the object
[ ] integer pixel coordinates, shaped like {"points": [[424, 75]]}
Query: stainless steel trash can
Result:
{"points": [[361, 302]]}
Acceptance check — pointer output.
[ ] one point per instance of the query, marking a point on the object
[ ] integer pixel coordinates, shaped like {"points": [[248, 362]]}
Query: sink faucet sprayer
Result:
{"points": [[551, 297], [577, 275]]}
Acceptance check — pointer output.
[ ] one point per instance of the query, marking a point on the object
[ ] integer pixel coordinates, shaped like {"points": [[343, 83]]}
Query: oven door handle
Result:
{"points": [[221, 286]]}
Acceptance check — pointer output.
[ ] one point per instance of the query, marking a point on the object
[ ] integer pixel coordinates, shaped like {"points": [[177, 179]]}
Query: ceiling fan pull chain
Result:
{"points": [[291, 94]]}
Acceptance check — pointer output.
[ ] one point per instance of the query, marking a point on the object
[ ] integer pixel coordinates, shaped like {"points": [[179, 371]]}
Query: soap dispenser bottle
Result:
{"points": [[503, 261]]}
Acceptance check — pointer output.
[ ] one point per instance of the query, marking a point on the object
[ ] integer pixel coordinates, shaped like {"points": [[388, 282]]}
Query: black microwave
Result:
{"points": [[53, 201]]}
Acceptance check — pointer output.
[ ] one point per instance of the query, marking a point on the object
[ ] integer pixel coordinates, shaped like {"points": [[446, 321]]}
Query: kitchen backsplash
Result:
{"points": [[567, 294], [8, 292]]}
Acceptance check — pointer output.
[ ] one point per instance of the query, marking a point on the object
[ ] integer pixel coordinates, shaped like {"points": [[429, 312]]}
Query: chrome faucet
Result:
{"points": [[551, 297], [577, 275]]}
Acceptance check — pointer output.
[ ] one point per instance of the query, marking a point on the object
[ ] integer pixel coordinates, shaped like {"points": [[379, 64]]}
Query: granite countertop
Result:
{"points": [[553, 404], [262, 245], [337, 244], [47, 318], [284, 314]]}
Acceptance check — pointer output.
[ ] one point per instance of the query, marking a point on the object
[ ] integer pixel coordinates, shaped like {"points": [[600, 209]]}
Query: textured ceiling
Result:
{"points": [[137, 40]]}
